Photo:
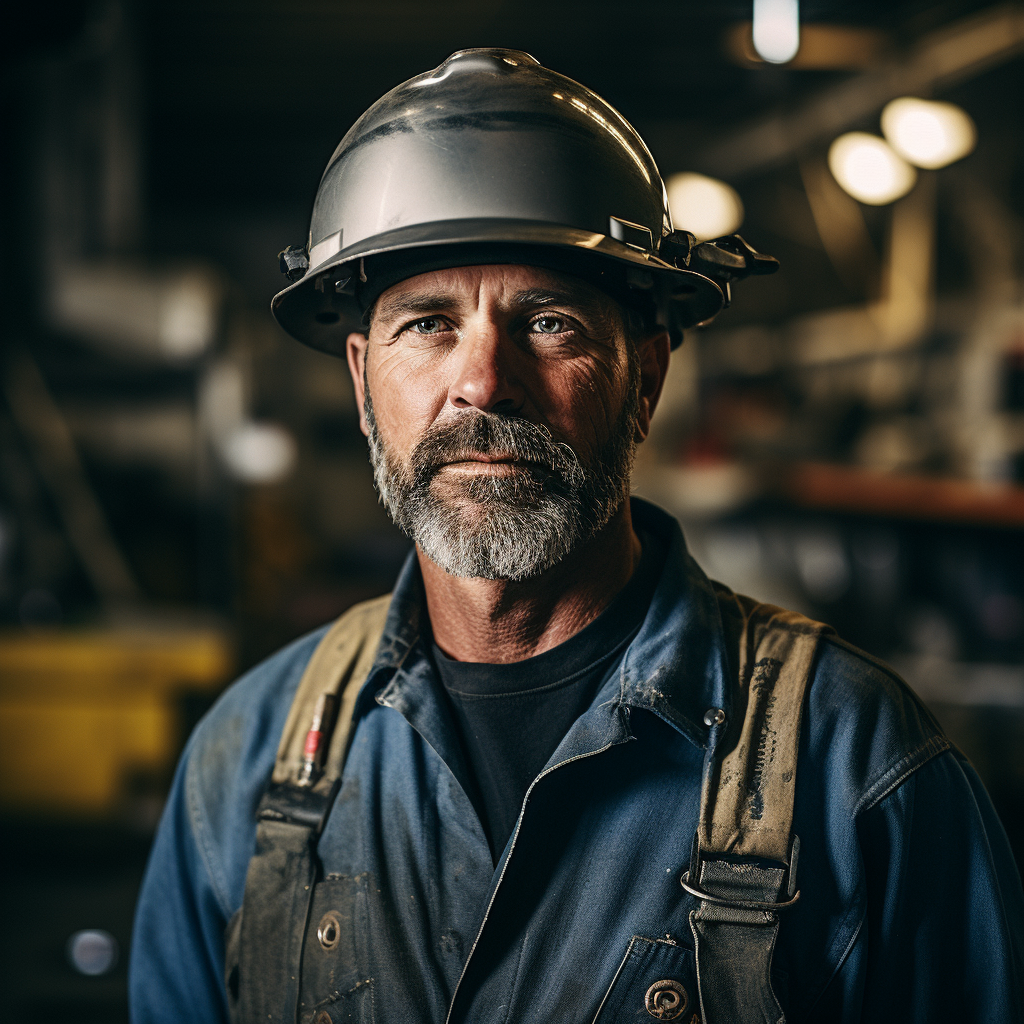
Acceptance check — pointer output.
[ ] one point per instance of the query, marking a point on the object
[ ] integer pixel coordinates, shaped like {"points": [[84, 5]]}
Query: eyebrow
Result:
{"points": [[423, 303], [553, 297], [411, 305]]}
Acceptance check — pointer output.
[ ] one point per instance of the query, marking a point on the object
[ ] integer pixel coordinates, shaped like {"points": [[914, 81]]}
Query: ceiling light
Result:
{"points": [[706, 206], [927, 133], [869, 169], [822, 47], [776, 30]]}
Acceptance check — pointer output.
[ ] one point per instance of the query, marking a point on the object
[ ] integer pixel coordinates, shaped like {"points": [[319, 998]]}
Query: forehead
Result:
{"points": [[504, 284]]}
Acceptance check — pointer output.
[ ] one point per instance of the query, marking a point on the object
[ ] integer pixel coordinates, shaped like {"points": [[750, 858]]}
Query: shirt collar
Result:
{"points": [[677, 665]]}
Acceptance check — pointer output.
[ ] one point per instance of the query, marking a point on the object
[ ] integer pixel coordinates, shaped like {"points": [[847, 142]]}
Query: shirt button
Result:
{"points": [[666, 1000], [714, 716]]}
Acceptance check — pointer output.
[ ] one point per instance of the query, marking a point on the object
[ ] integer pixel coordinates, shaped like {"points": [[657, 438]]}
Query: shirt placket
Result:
{"points": [[564, 756]]}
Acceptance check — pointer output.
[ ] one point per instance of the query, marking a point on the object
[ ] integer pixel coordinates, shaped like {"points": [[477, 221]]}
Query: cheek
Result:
{"points": [[407, 397], [583, 403]]}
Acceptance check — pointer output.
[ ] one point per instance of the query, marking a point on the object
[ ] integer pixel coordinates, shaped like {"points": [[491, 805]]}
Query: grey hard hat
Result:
{"points": [[492, 158]]}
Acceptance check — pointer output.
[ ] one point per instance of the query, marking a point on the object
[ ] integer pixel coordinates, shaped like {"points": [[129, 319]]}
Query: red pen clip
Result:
{"points": [[317, 739]]}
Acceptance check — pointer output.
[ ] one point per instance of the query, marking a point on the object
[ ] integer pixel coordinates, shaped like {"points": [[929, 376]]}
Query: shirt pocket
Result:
{"points": [[335, 986], [657, 980]]}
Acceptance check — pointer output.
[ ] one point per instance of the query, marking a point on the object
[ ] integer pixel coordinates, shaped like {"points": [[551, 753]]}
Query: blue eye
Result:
{"points": [[549, 325], [429, 325]]}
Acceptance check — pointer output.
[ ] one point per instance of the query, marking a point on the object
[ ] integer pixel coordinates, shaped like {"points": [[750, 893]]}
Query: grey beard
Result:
{"points": [[511, 527]]}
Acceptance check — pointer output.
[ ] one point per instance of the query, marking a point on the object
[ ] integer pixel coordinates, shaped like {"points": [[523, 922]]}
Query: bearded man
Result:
{"points": [[557, 775]]}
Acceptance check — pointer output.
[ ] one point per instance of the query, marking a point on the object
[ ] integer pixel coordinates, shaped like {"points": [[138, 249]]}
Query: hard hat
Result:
{"points": [[492, 158]]}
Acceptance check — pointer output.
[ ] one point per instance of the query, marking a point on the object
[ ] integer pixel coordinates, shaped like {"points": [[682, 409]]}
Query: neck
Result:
{"points": [[499, 621]]}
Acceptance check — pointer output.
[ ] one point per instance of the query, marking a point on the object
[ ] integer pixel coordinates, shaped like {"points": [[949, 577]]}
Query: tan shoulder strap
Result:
{"points": [[264, 940], [339, 667], [747, 803], [744, 861]]}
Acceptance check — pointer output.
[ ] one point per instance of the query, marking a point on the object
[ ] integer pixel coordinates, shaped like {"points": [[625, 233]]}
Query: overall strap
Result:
{"points": [[744, 861], [265, 938]]}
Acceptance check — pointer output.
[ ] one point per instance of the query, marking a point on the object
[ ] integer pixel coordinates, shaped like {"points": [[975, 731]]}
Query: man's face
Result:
{"points": [[503, 405]]}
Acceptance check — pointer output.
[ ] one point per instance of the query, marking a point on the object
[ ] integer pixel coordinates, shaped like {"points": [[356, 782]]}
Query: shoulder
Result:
{"points": [[864, 730], [902, 851], [230, 757], [865, 726]]}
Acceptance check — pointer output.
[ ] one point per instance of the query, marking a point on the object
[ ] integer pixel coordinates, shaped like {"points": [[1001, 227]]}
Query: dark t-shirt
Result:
{"points": [[513, 716]]}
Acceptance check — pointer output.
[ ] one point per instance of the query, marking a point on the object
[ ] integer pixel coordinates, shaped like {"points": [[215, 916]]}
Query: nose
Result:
{"points": [[483, 370]]}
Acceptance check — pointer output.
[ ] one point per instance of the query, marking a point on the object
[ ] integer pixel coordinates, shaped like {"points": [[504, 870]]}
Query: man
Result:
{"points": [[511, 837]]}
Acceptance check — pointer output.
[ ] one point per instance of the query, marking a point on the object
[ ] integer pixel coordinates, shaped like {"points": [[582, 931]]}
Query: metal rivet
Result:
{"points": [[666, 999], [329, 930], [714, 716]]}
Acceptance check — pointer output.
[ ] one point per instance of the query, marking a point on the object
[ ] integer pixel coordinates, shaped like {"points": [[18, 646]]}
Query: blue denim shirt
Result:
{"points": [[911, 904]]}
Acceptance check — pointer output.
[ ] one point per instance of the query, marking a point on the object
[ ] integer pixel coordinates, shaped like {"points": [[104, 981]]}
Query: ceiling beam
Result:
{"points": [[938, 61]]}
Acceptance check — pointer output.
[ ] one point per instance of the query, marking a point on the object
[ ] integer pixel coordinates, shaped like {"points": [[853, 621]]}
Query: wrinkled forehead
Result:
{"points": [[504, 287]]}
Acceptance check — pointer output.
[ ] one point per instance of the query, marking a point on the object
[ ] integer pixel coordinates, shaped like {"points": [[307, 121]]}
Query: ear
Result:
{"points": [[355, 352], [653, 352]]}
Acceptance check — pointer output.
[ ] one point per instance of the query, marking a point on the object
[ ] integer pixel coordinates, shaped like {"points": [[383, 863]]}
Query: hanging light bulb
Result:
{"points": [[869, 169], [776, 30], [927, 133], [706, 206]]}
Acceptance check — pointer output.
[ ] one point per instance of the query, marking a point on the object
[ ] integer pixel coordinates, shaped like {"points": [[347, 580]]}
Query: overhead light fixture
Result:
{"points": [[927, 133], [822, 47], [869, 169], [706, 206], [776, 30]]}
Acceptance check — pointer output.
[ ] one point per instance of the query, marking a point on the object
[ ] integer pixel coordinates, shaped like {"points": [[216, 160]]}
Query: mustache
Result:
{"points": [[496, 436]]}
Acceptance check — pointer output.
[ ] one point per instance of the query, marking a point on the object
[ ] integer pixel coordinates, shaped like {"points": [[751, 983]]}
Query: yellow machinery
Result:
{"points": [[83, 713]]}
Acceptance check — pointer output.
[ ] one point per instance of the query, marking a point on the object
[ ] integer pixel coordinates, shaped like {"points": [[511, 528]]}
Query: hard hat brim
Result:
{"points": [[329, 301]]}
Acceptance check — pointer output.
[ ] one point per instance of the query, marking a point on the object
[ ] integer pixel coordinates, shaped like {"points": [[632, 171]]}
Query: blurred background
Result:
{"points": [[183, 488]]}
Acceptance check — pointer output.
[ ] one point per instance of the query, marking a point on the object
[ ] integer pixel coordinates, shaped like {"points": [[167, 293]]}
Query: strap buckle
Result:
{"points": [[295, 805], [789, 887], [703, 894]]}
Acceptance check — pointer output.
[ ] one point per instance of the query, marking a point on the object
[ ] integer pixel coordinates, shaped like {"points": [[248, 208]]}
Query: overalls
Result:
{"points": [[292, 948]]}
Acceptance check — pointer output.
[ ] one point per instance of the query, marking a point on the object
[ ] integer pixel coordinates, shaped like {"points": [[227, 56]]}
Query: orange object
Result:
{"points": [[944, 499]]}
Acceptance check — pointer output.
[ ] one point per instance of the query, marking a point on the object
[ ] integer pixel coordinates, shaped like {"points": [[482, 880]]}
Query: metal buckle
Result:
{"points": [[791, 890], [695, 890]]}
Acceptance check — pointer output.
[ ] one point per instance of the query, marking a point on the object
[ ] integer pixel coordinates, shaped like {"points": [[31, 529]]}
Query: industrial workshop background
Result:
{"points": [[183, 488]]}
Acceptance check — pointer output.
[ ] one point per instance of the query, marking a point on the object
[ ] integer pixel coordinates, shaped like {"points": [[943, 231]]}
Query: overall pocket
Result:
{"points": [[657, 980], [334, 985]]}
